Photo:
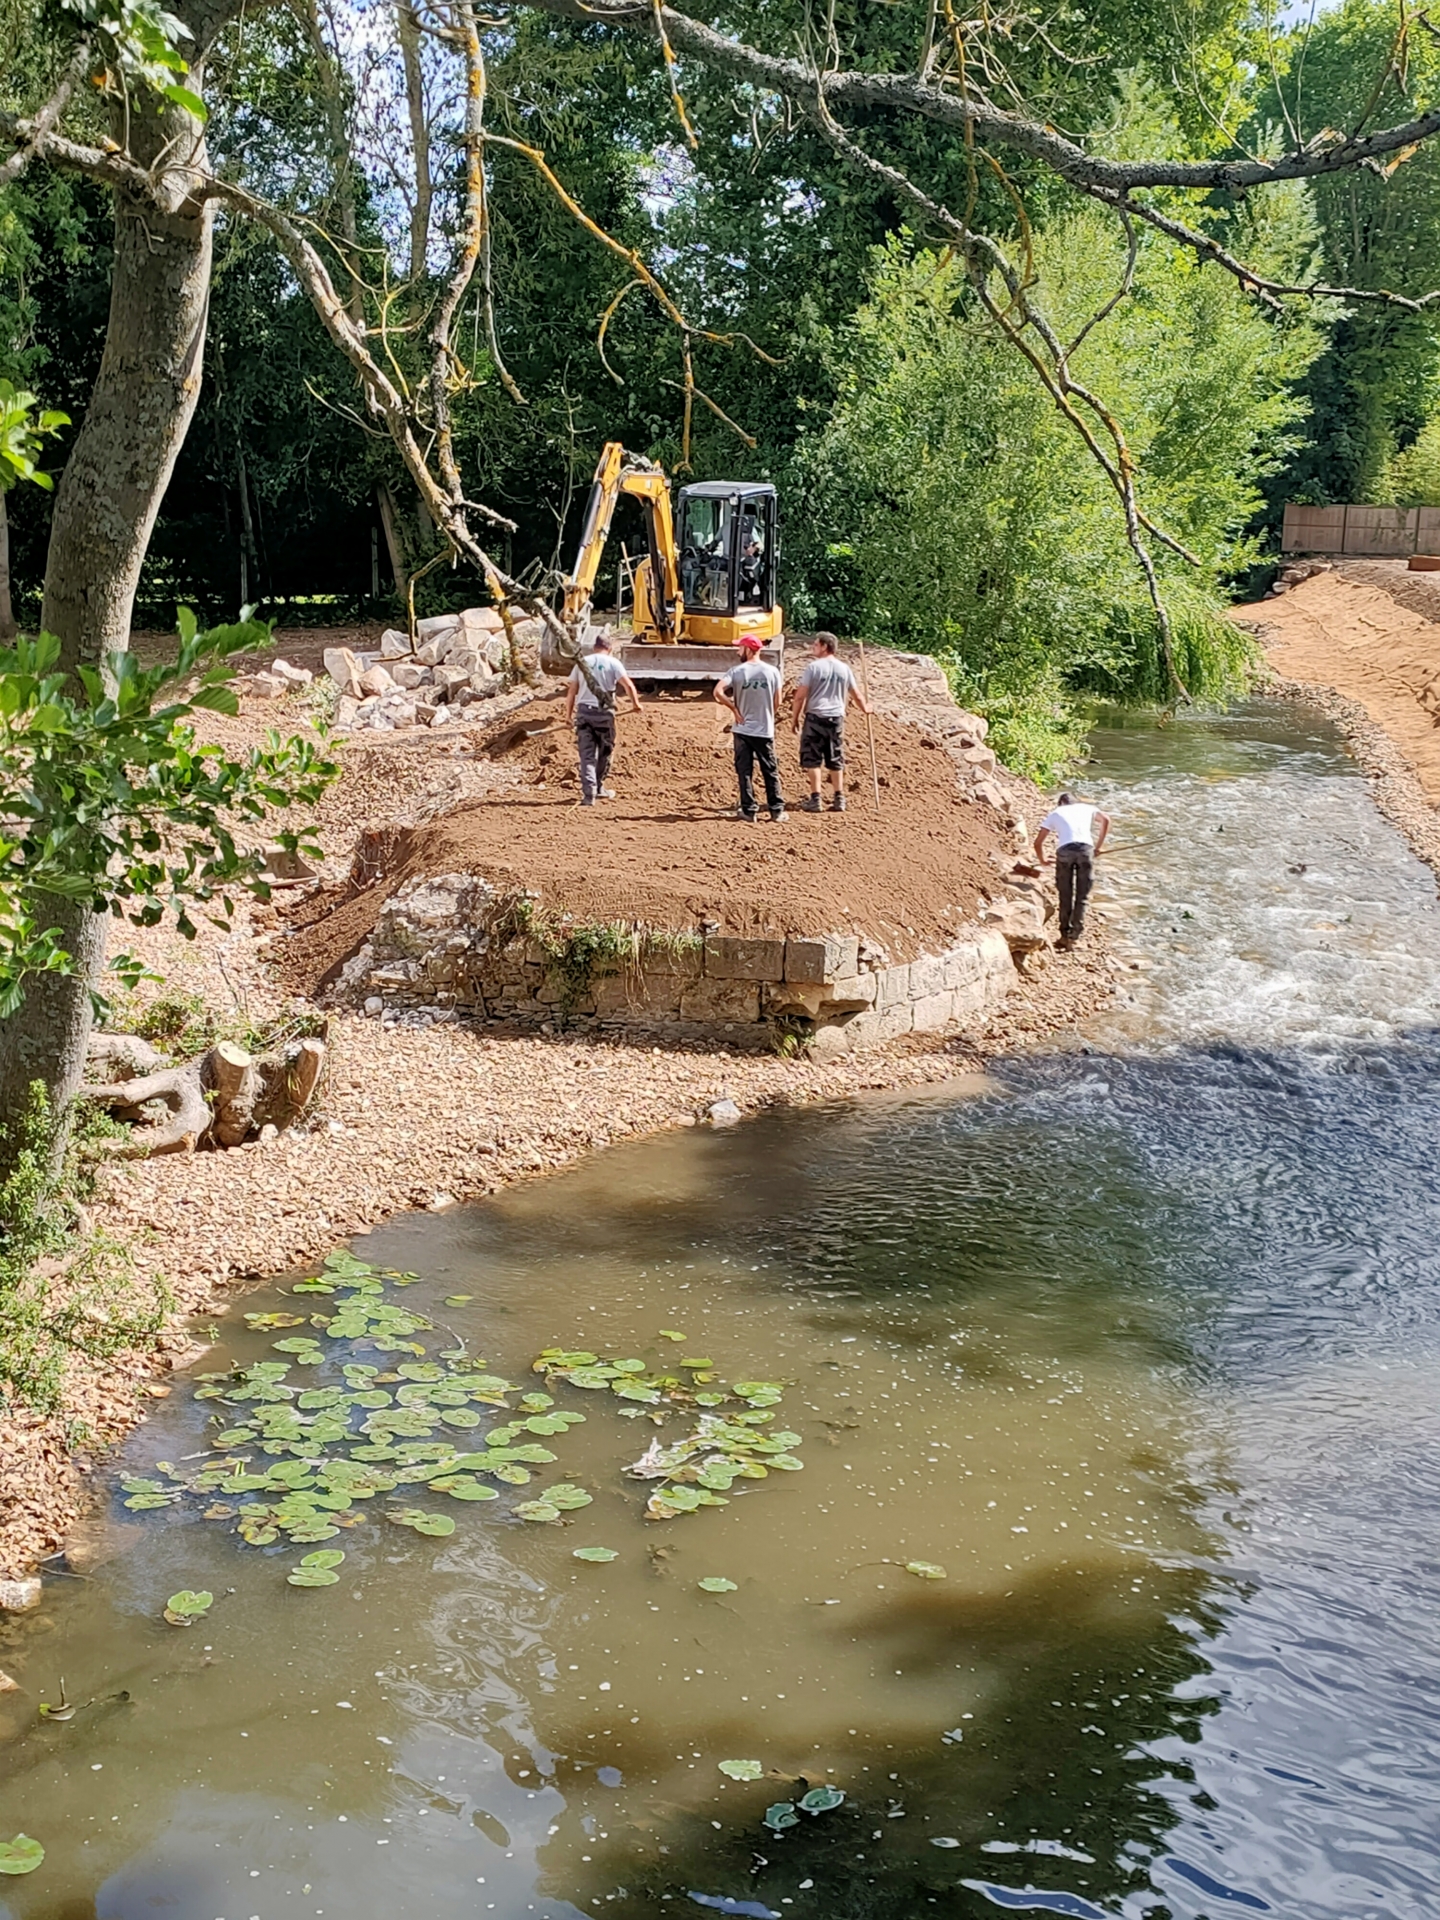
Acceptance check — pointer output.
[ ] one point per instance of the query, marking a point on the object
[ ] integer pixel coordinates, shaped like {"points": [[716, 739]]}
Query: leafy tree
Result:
{"points": [[965, 520]]}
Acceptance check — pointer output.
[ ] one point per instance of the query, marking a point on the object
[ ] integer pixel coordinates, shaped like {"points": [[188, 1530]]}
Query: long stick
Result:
{"points": [[870, 726]]}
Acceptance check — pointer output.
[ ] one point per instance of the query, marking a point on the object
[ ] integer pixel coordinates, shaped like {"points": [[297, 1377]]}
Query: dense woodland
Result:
{"points": [[932, 494]]}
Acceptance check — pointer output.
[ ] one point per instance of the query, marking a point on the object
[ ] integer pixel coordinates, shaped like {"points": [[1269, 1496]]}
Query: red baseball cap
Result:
{"points": [[747, 643]]}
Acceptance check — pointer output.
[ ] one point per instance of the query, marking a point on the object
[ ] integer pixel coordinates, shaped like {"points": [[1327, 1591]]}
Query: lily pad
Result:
{"points": [[926, 1569], [263, 1322], [183, 1609], [822, 1799], [422, 1521], [598, 1555], [538, 1510], [464, 1486], [458, 1299], [781, 1816], [316, 1569], [742, 1769], [669, 1333], [717, 1583], [20, 1855], [569, 1499]]}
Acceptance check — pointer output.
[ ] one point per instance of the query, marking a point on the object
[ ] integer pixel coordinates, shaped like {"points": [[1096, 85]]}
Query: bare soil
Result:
{"points": [[1370, 631], [668, 853]]}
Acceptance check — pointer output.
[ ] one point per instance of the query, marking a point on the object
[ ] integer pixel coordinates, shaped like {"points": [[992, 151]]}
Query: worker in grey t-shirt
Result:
{"points": [[749, 692], [819, 700], [590, 705]]}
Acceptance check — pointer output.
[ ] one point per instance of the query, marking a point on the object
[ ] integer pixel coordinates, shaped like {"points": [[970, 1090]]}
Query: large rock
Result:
{"points": [[1020, 922], [394, 645], [375, 680], [406, 674], [344, 669], [293, 676], [266, 686]]}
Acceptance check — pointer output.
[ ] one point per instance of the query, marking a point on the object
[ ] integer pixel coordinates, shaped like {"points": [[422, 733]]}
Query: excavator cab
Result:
{"points": [[728, 556]]}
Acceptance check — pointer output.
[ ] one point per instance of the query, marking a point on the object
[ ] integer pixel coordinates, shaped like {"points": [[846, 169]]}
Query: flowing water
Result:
{"points": [[1137, 1341]]}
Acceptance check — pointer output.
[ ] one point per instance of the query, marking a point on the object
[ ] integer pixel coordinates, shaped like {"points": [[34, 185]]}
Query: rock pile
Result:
{"points": [[457, 659], [278, 678]]}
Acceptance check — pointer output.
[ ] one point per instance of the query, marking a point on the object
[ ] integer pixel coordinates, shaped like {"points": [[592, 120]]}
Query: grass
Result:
{"points": [[184, 1025], [64, 1291], [579, 952]]}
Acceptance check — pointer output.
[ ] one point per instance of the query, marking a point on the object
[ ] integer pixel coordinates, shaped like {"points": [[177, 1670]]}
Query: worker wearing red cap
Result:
{"points": [[749, 692]]}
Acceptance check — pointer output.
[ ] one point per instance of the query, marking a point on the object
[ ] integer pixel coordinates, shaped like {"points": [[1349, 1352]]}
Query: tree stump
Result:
{"points": [[219, 1100]]}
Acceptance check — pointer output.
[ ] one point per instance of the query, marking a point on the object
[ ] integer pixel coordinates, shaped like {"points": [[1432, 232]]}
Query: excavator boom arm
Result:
{"points": [[626, 473]]}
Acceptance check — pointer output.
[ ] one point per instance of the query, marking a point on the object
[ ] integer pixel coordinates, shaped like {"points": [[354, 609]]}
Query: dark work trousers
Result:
{"points": [[1074, 875], [595, 737], [749, 750]]}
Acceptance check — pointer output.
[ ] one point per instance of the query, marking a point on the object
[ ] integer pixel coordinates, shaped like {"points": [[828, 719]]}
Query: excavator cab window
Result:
{"points": [[727, 549], [705, 529]]}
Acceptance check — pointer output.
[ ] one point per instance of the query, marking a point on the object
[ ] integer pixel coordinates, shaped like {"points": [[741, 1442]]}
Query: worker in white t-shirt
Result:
{"points": [[1079, 831]]}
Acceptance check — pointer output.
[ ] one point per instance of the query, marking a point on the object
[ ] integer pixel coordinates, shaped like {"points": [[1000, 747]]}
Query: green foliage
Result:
{"points": [[579, 952], [139, 42], [109, 801], [962, 517], [1412, 478], [60, 1294], [1380, 228], [22, 433]]}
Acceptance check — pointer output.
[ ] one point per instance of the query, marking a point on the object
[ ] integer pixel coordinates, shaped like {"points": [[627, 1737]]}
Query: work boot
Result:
{"points": [[837, 805], [776, 818], [812, 805], [606, 793]]}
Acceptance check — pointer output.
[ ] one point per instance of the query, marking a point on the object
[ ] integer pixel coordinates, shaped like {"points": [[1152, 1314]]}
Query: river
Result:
{"points": [[1131, 1349]]}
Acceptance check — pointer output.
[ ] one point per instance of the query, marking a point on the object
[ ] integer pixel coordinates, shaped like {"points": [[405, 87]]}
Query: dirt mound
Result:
{"points": [[1371, 631], [665, 852]]}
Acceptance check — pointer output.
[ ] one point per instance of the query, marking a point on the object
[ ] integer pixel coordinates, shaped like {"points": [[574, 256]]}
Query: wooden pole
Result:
{"points": [[870, 727]]}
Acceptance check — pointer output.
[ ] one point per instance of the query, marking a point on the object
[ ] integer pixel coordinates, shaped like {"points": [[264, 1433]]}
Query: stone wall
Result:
{"points": [[448, 944]]}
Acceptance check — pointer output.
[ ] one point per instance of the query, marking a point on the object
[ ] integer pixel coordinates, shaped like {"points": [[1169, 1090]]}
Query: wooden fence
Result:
{"points": [[1377, 532]]}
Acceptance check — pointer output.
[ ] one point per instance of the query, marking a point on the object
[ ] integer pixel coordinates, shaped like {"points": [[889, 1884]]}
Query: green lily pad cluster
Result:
{"points": [[699, 1469], [786, 1813], [294, 1460], [20, 1855], [183, 1609]]}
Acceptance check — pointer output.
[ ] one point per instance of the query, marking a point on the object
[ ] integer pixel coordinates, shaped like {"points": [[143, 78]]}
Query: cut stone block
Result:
{"points": [[892, 987], [853, 994], [714, 1001], [344, 669], [731, 958], [933, 1013], [814, 961], [394, 645]]}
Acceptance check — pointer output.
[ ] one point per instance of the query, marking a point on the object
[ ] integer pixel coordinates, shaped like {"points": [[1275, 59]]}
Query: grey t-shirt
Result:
{"points": [[605, 670], [754, 688], [827, 683]]}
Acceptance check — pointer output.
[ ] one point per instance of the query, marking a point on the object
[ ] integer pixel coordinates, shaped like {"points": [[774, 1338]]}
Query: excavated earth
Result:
{"points": [[667, 853]]}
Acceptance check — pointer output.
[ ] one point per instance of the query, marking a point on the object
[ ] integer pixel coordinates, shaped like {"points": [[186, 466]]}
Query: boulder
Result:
{"points": [[723, 1113], [406, 674], [19, 1596], [1021, 922], [451, 679], [436, 625], [344, 669], [402, 715], [433, 651], [266, 686], [394, 645], [376, 680], [347, 710], [441, 716], [292, 676]]}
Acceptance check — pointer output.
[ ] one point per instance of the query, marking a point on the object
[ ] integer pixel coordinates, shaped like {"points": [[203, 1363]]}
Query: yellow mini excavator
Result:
{"points": [[708, 574]]}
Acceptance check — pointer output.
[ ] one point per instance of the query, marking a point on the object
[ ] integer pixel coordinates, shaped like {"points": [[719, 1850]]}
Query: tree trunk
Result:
{"points": [[7, 609], [394, 541], [105, 508], [139, 412], [409, 22], [45, 1040]]}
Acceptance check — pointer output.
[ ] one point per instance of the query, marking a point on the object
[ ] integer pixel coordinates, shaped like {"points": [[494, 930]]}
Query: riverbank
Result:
{"points": [[1361, 644], [414, 1116]]}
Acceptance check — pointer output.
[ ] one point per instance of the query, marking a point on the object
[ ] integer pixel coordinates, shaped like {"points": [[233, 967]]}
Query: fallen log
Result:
{"points": [[218, 1100]]}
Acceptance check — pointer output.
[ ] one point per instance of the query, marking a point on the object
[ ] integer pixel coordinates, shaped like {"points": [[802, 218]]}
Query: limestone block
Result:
{"points": [[403, 716], [408, 675], [293, 676], [927, 975], [731, 958], [828, 958], [981, 758], [19, 1596], [637, 995], [991, 795], [870, 1029], [347, 710], [451, 678], [686, 963], [791, 999], [266, 686], [375, 680], [892, 987], [433, 651], [435, 625], [476, 621], [933, 1012], [344, 669], [852, 994], [464, 657], [394, 645], [712, 1001]]}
